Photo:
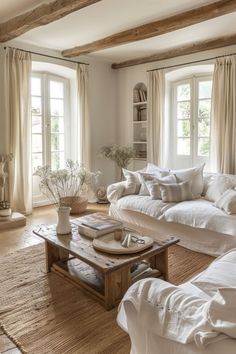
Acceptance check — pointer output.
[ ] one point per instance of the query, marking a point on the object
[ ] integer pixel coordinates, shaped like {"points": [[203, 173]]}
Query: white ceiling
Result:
{"points": [[110, 16]]}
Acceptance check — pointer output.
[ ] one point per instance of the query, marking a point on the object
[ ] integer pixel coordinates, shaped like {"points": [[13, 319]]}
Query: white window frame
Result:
{"points": [[192, 159], [45, 77]]}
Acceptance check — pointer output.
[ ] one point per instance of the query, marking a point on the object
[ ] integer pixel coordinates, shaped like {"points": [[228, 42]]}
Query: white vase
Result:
{"points": [[63, 224]]}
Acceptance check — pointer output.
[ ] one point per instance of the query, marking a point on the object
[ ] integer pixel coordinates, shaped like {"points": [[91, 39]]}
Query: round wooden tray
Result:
{"points": [[108, 244]]}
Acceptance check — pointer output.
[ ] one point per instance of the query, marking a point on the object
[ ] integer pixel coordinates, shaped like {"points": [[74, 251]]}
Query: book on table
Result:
{"points": [[97, 224]]}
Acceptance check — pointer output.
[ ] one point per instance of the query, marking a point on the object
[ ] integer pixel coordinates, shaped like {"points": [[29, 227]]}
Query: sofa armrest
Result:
{"points": [[115, 191]]}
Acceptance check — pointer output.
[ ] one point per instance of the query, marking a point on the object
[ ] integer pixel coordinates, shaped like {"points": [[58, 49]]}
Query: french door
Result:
{"points": [[49, 107]]}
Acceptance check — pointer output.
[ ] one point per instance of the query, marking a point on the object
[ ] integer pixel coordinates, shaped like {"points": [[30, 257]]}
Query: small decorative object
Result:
{"points": [[121, 155], [5, 209], [66, 188], [102, 195], [63, 225]]}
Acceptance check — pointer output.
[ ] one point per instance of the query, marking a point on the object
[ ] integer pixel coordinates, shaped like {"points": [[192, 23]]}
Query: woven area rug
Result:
{"points": [[44, 314]]}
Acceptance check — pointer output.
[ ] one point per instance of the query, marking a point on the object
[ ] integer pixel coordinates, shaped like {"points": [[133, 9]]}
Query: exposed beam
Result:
{"points": [[41, 15], [156, 28], [181, 50]]}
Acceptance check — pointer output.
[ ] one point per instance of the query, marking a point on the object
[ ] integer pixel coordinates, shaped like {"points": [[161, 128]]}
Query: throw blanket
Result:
{"points": [[169, 312]]}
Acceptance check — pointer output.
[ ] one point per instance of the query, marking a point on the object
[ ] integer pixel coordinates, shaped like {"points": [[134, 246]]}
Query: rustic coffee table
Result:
{"points": [[104, 276]]}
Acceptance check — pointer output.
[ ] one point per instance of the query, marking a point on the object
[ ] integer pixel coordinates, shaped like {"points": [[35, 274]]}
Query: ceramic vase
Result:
{"points": [[63, 224]]}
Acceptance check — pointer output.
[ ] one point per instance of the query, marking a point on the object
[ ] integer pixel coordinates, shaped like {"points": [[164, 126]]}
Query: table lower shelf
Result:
{"points": [[86, 277]]}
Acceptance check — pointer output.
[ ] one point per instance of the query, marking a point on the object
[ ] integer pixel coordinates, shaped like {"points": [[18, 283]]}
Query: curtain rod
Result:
{"points": [[47, 56], [191, 62]]}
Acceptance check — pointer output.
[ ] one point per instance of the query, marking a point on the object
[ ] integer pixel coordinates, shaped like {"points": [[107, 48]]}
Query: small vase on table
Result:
{"points": [[63, 224]]}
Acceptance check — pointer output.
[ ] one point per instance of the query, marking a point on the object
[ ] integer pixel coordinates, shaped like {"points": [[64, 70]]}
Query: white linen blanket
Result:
{"points": [[144, 204], [169, 312], [202, 214]]}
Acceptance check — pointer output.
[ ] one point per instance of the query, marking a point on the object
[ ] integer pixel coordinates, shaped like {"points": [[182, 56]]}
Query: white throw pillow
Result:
{"points": [[217, 187], [154, 186], [156, 170], [176, 192], [220, 274], [133, 177], [194, 174], [227, 201], [144, 178]]}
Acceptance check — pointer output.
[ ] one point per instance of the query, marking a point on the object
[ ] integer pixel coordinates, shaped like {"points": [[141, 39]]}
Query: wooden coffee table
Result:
{"points": [[104, 276]]}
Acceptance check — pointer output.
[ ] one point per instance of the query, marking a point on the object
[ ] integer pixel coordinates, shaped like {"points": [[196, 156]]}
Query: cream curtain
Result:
{"points": [[223, 131], [156, 97], [18, 114], [84, 119]]}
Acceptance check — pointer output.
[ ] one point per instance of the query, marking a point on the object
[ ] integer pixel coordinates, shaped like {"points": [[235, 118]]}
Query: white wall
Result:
{"points": [[103, 106]]}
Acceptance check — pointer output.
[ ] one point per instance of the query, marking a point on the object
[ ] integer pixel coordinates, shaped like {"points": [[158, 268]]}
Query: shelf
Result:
{"points": [[140, 142], [139, 121], [140, 158], [140, 103]]}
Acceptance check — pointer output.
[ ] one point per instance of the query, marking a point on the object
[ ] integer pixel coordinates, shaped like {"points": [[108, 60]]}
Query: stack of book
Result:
{"points": [[97, 224]]}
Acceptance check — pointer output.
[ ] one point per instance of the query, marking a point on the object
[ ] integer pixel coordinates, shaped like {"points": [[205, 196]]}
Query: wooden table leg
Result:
{"points": [[116, 285], [52, 255], [160, 262]]}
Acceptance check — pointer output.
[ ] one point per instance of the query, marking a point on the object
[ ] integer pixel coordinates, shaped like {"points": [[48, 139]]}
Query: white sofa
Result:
{"points": [[199, 224], [196, 317]]}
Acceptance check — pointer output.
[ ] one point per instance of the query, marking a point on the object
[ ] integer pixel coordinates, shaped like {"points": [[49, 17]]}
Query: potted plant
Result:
{"points": [[121, 155], [66, 188]]}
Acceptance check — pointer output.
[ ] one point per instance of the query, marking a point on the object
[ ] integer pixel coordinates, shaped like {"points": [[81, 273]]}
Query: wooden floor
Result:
{"points": [[15, 239]]}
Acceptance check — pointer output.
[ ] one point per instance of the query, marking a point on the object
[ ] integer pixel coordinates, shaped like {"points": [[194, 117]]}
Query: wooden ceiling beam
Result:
{"points": [[179, 51], [156, 28], [41, 15]]}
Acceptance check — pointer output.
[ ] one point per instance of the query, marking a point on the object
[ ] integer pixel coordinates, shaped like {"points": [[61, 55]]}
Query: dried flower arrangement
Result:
{"points": [[73, 181]]}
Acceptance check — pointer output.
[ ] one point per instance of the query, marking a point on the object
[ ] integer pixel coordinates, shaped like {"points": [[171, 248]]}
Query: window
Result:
{"points": [[49, 106], [192, 109], [50, 125]]}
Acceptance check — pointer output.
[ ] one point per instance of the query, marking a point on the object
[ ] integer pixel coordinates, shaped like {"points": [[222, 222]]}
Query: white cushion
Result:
{"points": [[156, 170], [176, 192], [220, 274], [144, 178], [217, 187], [195, 175], [132, 177], [227, 201], [154, 185]]}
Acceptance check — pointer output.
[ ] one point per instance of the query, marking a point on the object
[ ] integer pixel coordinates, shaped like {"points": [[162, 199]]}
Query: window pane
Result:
{"points": [[205, 88], [183, 146], [36, 124], [204, 109], [57, 142], [36, 105], [183, 92], [204, 127], [57, 107], [37, 143], [183, 127], [183, 110], [57, 125], [203, 146], [56, 89], [35, 86], [37, 160], [57, 160]]}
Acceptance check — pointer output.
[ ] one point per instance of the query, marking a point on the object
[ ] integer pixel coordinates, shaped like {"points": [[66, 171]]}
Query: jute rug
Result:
{"points": [[44, 314]]}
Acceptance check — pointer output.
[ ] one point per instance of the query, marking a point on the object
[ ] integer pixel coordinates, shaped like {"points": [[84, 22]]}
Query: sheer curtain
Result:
{"points": [[223, 131], [156, 97], [83, 109], [18, 114]]}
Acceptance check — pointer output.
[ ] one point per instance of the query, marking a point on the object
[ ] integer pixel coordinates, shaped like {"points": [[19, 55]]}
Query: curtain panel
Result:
{"points": [[17, 88], [223, 131], [155, 113], [84, 119]]}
